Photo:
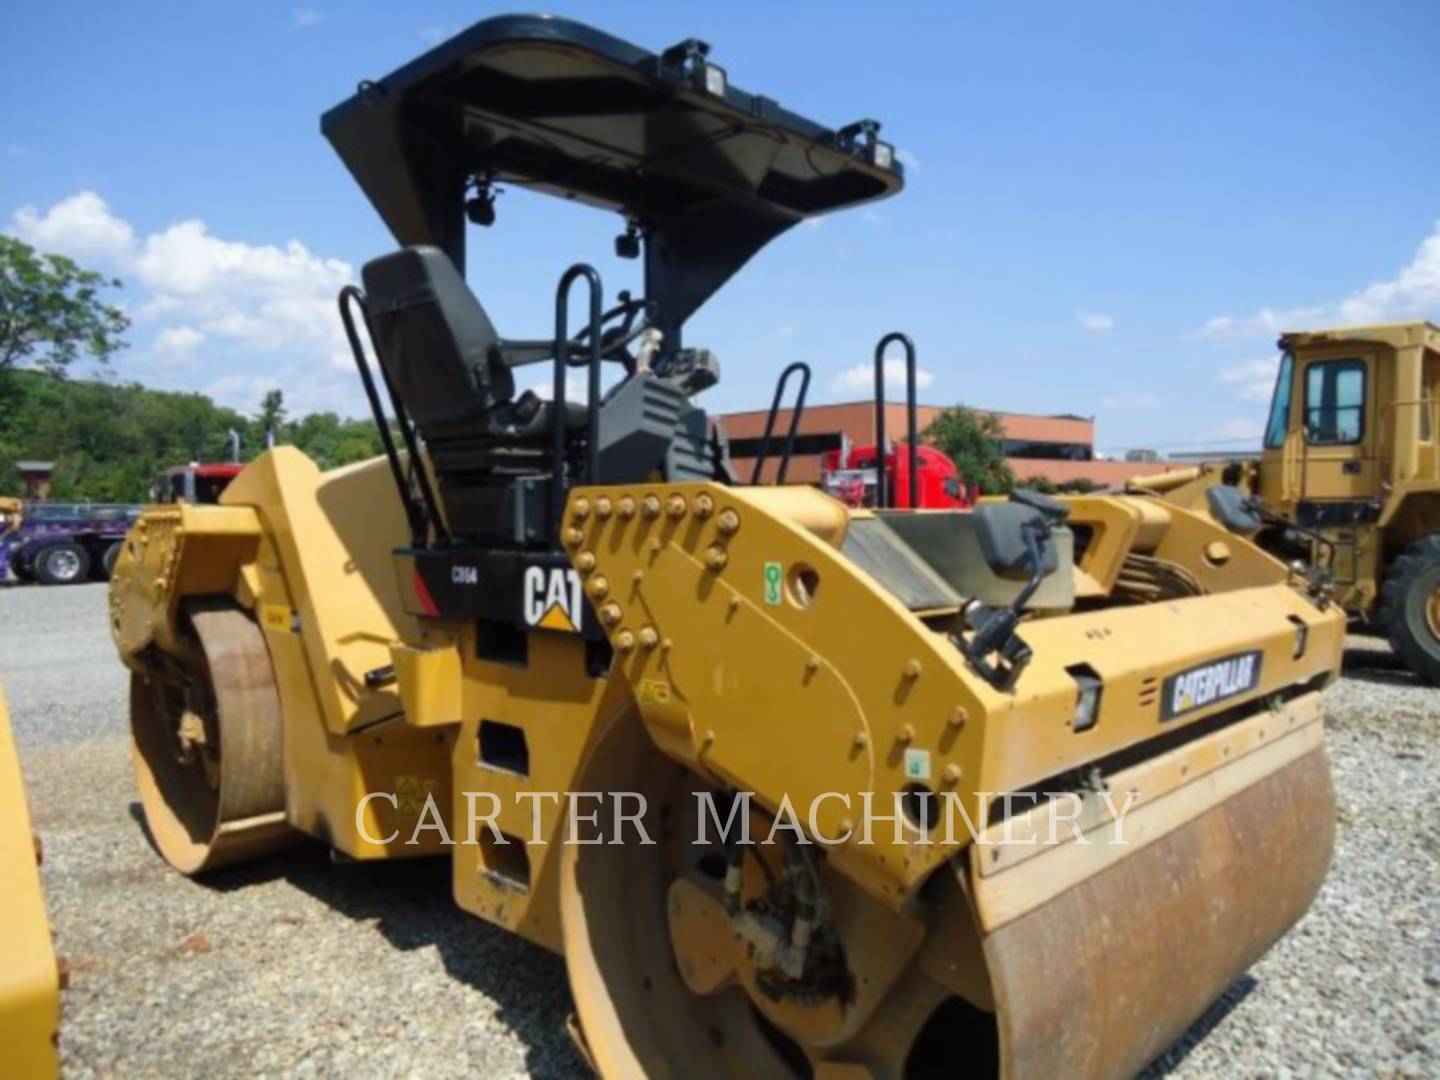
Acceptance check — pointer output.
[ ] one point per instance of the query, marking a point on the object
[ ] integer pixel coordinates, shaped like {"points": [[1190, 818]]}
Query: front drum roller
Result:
{"points": [[1096, 980], [207, 743]]}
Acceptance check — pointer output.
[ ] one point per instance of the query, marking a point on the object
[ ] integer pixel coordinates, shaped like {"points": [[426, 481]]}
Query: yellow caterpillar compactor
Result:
{"points": [[886, 792]]}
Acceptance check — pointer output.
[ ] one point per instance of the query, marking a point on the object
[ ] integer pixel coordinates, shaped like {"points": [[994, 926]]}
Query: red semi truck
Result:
{"points": [[849, 474]]}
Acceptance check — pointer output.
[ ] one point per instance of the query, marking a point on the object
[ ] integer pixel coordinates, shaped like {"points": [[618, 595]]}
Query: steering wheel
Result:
{"points": [[615, 340]]}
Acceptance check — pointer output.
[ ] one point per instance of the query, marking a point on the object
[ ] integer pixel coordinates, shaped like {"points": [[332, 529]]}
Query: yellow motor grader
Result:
{"points": [[795, 788]]}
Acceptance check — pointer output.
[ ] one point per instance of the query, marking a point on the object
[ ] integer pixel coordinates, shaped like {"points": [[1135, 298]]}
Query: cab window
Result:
{"points": [[1335, 402], [1280, 405]]}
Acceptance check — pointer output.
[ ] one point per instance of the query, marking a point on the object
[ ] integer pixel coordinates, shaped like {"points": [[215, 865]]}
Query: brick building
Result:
{"points": [[1061, 448]]}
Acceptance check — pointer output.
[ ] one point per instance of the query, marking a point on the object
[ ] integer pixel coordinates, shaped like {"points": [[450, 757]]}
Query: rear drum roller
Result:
{"points": [[208, 749]]}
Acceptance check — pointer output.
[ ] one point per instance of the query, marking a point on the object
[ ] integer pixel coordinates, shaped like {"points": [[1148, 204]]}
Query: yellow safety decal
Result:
{"points": [[276, 617], [654, 692], [411, 792]]}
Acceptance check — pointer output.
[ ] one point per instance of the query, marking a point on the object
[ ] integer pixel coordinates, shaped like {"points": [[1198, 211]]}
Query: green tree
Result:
{"points": [[975, 441], [51, 311], [272, 417]]}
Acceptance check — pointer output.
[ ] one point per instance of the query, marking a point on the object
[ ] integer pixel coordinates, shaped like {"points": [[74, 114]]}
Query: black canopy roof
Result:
{"points": [[711, 173]]}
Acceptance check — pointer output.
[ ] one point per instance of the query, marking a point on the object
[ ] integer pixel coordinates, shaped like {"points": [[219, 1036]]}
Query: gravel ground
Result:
{"points": [[299, 967]]}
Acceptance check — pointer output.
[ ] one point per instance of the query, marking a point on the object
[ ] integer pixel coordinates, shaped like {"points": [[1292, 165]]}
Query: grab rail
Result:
{"points": [[882, 494], [764, 451], [422, 521], [557, 402]]}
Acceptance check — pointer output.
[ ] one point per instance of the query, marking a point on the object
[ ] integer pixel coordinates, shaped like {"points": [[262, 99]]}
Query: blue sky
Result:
{"points": [[1111, 207]]}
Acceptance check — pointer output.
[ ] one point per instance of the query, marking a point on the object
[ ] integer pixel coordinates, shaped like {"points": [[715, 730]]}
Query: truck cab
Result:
{"points": [[849, 474], [194, 483], [1352, 421]]}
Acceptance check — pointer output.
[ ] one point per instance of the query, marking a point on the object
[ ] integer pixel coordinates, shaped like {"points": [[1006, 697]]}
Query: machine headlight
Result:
{"points": [[715, 80], [1087, 696]]}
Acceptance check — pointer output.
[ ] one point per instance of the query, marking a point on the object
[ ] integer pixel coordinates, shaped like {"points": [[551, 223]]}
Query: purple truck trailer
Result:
{"points": [[61, 543]]}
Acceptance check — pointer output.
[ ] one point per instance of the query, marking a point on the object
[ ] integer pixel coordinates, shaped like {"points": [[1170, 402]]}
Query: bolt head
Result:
{"points": [[627, 507], [580, 508], [675, 506], [648, 637], [912, 669], [951, 774], [585, 561], [906, 734], [650, 506], [604, 507], [704, 506], [716, 558], [728, 522], [958, 716], [610, 614], [625, 641], [598, 587], [574, 537]]}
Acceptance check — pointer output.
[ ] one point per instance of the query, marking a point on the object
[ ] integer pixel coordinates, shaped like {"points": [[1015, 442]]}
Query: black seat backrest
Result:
{"points": [[437, 345]]}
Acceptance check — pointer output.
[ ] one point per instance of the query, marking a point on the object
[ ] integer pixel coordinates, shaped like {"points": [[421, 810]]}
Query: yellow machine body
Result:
{"points": [[1350, 454], [9, 514], [752, 653], [795, 789], [29, 974]]}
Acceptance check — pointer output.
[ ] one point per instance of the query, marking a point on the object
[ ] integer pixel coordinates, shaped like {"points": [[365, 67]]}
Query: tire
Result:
{"points": [[1410, 608], [61, 564], [107, 561]]}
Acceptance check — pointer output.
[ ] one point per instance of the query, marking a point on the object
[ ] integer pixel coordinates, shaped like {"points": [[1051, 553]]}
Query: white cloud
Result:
{"points": [[178, 342], [908, 159], [1239, 428], [1137, 400], [1254, 379], [80, 226], [860, 379], [206, 297], [1097, 322], [300, 18], [1413, 293]]}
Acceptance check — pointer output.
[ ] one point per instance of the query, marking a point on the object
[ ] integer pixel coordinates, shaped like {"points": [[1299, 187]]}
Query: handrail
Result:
{"points": [[764, 452], [882, 495], [557, 402], [421, 521]]}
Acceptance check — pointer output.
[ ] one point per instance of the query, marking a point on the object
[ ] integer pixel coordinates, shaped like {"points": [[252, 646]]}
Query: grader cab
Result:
{"points": [[887, 792], [1348, 478]]}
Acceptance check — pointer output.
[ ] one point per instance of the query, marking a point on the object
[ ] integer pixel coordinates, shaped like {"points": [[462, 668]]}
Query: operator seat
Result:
{"points": [[442, 353], [453, 374]]}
